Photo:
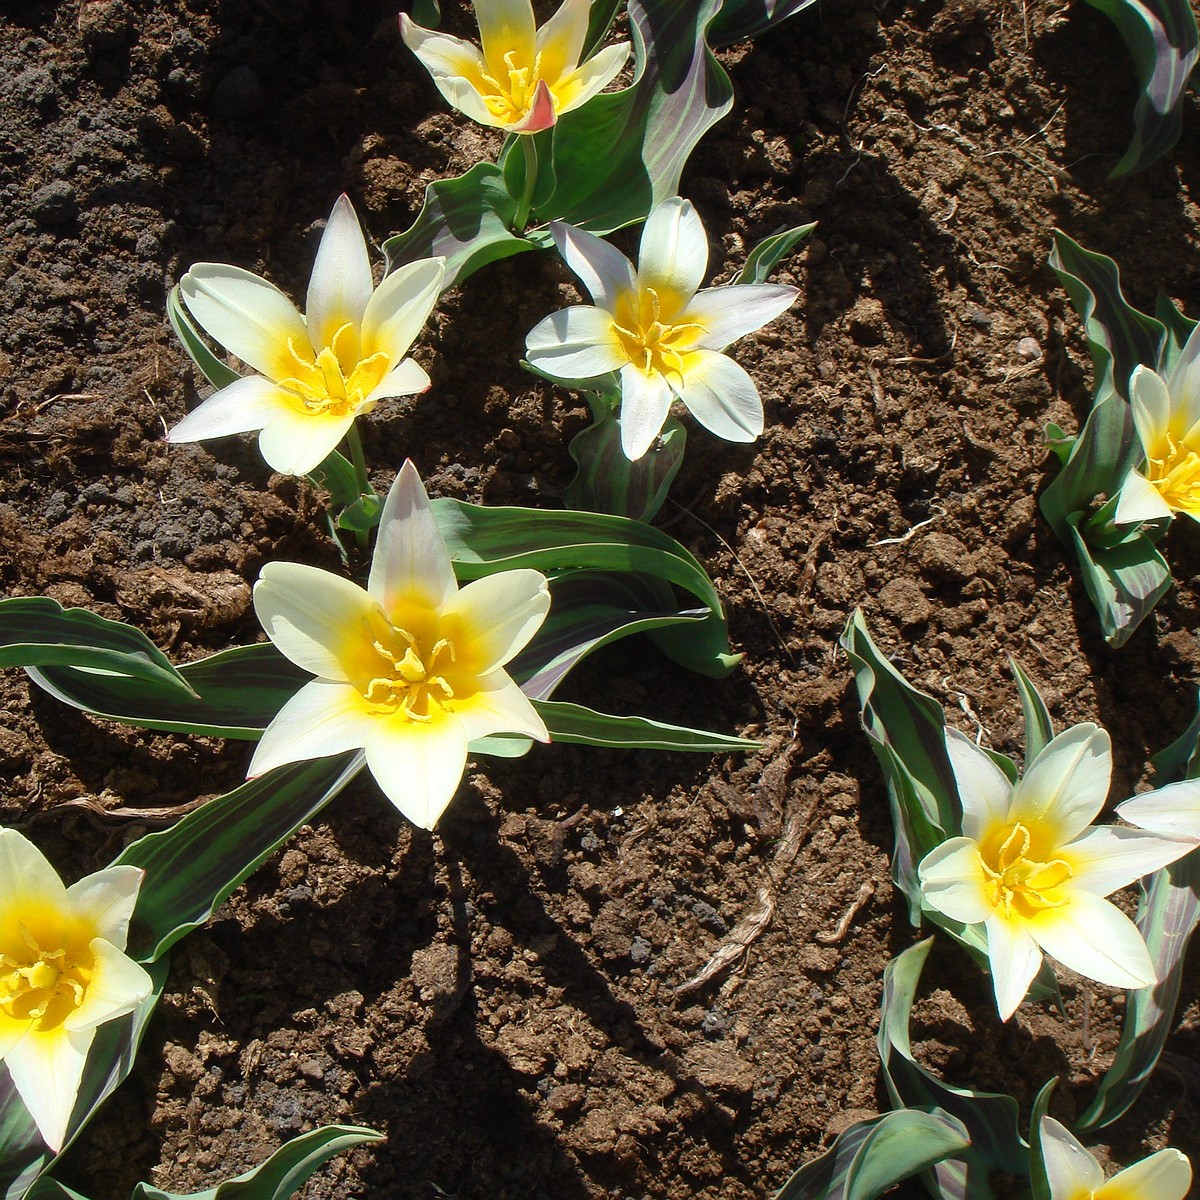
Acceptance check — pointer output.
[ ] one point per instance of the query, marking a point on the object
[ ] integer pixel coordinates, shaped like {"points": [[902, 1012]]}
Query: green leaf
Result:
{"points": [[742, 19], [283, 1174], [466, 220], [608, 482], [208, 364], [36, 631], [869, 1157], [195, 865], [1162, 38], [1179, 329], [585, 727], [771, 251], [1039, 728], [1181, 759], [1039, 1181], [483, 540], [362, 515], [336, 475], [1119, 336], [990, 1118]]}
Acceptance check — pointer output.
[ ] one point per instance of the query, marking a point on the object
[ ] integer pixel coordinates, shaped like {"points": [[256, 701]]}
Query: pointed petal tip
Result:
{"points": [[541, 112]]}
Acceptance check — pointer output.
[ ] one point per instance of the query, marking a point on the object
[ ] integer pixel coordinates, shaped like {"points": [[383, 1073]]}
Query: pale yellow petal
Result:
{"points": [[418, 764], [499, 706], [1070, 1170], [46, 1069], [340, 285], [295, 443], [118, 986], [31, 894], [493, 618], [323, 718], [1166, 1175], [508, 34], [105, 900]]}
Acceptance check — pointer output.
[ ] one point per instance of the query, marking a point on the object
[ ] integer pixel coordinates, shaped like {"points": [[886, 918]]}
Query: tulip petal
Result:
{"points": [[1014, 958], [952, 881], [602, 268], [1184, 383], [983, 788], [1166, 1175], [418, 765], [1096, 939], [456, 66], [28, 885], [645, 402], [242, 407], [560, 40], [341, 283], [118, 986], [1151, 404], [575, 89], [1070, 1170], [1172, 811], [499, 706], [728, 313], [506, 27], [318, 620], [575, 343], [1066, 785], [247, 315], [1108, 857], [321, 719], [722, 397], [493, 618], [400, 306], [105, 900], [295, 443], [1139, 500], [673, 254], [406, 379], [46, 1069], [540, 114], [411, 565]]}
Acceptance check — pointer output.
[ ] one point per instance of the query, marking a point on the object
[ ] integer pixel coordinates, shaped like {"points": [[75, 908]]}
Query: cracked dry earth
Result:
{"points": [[608, 974]]}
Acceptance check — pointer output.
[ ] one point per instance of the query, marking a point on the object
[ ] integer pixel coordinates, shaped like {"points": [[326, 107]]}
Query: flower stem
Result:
{"points": [[360, 475], [525, 204]]}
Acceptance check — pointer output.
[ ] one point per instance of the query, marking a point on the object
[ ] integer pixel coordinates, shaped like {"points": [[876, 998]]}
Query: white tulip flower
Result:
{"points": [[523, 78], [655, 326], [63, 973], [1032, 869], [1074, 1174], [409, 670], [315, 374]]}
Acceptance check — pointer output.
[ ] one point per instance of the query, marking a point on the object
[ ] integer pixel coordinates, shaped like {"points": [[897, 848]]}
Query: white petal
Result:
{"points": [[321, 719], [456, 67], [722, 397], [406, 379], [106, 899], [1184, 383], [493, 618], [645, 402], [673, 255], [1151, 403], [506, 27], [602, 268], [295, 443], [46, 1069], [315, 618], [1108, 857], [400, 307], [1096, 939], [245, 405], [728, 313], [1172, 811], [500, 707], [411, 563], [952, 881], [560, 40], [1139, 500], [1070, 1170], [27, 882], [118, 986], [341, 282], [1014, 958], [247, 315], [1066, 785], [1166, 1175], [418, 766], [575, 343], [983, 788], [577, 88]]}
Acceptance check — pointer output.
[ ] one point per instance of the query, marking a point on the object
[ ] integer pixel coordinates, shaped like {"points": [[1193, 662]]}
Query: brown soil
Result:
{"points": [[508, 999]]}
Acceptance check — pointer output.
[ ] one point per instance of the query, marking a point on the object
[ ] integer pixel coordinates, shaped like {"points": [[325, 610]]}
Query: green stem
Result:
{"points": [[531, 173], [360, 474]]}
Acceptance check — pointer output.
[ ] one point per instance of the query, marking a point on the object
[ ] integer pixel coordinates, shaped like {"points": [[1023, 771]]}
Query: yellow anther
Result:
{"points": [[1016, 883], [1175, 472], [413, 678]]}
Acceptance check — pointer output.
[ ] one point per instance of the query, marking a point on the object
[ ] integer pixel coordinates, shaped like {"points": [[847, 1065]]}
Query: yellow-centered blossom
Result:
{"points": [[521, 79], [1166, 415], [63, 973], [1032, 869], [656, 328], [411, 670], [317, 373], [1074, 1174]]}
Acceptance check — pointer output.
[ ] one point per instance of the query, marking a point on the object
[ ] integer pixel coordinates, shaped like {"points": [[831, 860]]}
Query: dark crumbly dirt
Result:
{"points": [[509, 999]]}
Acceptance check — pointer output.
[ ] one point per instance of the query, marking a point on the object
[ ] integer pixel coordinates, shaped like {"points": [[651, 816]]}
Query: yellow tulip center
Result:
{"points": [[510, 100], [412, 677], [1176, 475], [1017, 883], [335, 383], [652, 344], [44, 985]]}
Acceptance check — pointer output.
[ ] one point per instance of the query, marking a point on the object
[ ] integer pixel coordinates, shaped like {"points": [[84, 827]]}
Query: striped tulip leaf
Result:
{"points": [[608, 482], [871, 1156], [1162, 38], [770, 252], [1039, 728], [742, 19], [580, 726], [1178, 327], [207, 363]]}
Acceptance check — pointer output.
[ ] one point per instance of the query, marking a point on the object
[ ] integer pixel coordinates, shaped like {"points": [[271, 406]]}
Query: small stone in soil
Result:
{"points": [[55, 204]]}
